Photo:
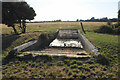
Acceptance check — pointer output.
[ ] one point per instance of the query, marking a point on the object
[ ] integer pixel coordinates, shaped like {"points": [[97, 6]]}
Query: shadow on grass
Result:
{"points": [[102, 60], [8, 39]]}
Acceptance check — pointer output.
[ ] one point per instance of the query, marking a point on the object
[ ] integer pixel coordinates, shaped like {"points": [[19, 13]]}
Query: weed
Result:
{"points": [[75, 70], [73, 62], [69, 73], [82, 76], [66, 70], [80, 67], [75, 75], [66, 61], [79, 62], [51, 64], [92, 66], [73, 66]]}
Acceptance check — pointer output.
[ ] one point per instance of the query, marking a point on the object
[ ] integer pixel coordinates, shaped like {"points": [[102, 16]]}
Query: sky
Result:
{"points": [[49, 10]]}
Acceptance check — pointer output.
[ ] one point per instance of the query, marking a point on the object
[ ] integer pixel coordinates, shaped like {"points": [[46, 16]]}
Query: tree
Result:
{"points": [[119, 14], [119, 17], [17, 12], [93, 18], [77, 20]]}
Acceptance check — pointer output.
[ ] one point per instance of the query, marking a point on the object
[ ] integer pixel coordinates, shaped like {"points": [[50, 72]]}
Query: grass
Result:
{"points": [[53, 26], [60, 67], [39, 67], [107, 44]]}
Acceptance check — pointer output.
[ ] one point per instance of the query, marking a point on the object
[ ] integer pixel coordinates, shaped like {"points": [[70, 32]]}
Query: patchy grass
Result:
{"points": [[53, 67]]}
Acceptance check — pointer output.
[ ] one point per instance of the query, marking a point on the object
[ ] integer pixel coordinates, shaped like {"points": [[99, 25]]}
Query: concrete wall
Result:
{"points": [[87, 45], [67, 34]]}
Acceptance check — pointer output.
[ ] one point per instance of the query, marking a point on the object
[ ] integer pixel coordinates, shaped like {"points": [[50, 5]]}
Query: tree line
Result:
{"points": [[105, 19], [119, 17]]}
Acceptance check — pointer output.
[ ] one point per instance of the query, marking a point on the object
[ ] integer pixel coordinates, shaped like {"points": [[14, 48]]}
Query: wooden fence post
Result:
{"points": [[82, 28]]}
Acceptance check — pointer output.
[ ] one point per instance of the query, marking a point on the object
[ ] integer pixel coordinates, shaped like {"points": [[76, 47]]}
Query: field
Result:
{"points": [[54, 26], [60, 67]]}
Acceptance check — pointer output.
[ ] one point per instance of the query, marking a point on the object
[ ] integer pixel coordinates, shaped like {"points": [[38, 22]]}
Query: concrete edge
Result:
{"points": [[25, 45], [87, 45]]}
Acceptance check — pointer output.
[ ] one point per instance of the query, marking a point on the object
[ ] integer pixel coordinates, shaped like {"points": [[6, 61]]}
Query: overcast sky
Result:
{"points": [[48, 10]]}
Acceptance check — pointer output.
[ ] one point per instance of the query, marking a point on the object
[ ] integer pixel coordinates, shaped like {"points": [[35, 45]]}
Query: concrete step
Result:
{"points": [[69, 52]]}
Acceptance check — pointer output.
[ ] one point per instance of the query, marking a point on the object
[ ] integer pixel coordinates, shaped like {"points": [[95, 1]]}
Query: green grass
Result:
{"points": [[107, 44]]}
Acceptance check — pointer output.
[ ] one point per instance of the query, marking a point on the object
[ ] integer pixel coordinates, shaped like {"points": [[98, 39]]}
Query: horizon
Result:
{"points": [[68, 20]]}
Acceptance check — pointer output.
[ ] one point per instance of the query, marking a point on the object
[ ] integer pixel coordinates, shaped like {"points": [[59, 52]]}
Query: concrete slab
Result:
{"points": [[69, 52]]}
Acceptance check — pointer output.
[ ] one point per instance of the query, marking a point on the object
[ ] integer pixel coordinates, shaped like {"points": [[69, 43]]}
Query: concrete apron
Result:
{"points": [[78, 41]]}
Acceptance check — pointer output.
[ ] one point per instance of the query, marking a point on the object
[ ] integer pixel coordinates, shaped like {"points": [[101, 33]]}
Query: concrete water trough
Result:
{"points": [[64, 40], [73, 38]]}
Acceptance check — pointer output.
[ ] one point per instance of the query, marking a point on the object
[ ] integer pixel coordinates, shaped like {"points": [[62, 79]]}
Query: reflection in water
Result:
{"points": [[66, 43]]}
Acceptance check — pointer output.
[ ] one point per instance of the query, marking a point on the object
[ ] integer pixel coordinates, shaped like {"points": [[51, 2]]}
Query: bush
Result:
{"points": [[105, 29], [45, 39], [109, 29]]}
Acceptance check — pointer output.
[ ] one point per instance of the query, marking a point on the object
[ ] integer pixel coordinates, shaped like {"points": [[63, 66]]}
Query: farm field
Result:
{"points": [[53, 26], [59, 67]]}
